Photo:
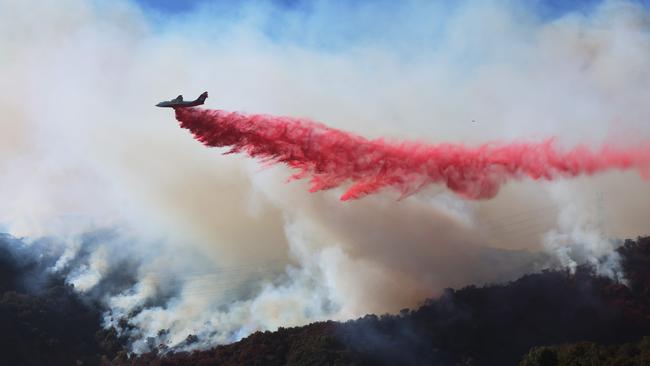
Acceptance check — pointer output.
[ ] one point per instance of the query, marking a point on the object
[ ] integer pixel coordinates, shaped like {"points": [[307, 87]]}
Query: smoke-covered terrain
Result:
{"points": [[48, 322], [152, 238], [44, 320]]}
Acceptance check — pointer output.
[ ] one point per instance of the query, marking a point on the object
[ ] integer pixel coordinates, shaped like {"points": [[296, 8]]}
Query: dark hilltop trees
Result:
{"points": [[43, 321]]}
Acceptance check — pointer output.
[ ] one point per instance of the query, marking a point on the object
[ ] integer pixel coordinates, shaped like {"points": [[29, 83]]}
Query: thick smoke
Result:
{"points": [[171, 236], [333, 157]]}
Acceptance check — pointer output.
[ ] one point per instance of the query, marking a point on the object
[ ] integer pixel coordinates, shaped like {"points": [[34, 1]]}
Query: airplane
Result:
{"points": [[179, 103]]}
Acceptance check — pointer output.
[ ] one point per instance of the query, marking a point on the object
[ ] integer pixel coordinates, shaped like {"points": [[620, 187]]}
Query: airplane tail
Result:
{"points": [[203, 97]]}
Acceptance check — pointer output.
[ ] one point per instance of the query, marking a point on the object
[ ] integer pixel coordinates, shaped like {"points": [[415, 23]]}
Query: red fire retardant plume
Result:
{"points": [[330, 157]]}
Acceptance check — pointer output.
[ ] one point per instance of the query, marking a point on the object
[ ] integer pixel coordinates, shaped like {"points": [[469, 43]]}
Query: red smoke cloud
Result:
{"points": [[331, 157]]}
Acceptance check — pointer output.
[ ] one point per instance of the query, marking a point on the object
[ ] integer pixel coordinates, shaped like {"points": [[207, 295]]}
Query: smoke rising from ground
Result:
{"points": [[180, 238]]}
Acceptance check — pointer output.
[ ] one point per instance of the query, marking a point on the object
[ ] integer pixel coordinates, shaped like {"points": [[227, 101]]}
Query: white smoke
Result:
{"points": [[172, 236], [580, 236]]}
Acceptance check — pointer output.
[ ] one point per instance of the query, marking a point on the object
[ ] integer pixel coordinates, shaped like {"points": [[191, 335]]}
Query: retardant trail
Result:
{"points": [[331, 157]]}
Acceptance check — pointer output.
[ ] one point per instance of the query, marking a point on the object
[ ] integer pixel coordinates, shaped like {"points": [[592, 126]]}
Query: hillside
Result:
{"points": [[43, 320], [590, 353], [540, 318], [492, 325]]}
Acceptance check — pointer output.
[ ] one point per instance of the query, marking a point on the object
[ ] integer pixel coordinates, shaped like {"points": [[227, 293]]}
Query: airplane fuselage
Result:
{"points": [[180, 103], [171, 104]]}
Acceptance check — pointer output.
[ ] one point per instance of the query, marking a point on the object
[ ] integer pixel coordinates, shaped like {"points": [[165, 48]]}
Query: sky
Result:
{"points": [[549, 9], [296, 22], [220, 246]]}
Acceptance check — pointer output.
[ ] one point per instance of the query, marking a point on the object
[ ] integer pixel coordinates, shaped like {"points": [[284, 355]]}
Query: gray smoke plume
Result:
{"points": [[172, 236]]}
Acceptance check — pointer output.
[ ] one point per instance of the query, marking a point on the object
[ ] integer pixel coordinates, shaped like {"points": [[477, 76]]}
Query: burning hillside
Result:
{"points": [[490, 325]]}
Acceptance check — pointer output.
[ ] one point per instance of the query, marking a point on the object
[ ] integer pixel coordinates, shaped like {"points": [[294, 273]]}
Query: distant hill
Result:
{"points": [[544, 319]]}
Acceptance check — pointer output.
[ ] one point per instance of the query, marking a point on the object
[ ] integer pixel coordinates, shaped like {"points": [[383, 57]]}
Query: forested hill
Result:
{"points": [[43, 321], [492, 325], [538, 318]]}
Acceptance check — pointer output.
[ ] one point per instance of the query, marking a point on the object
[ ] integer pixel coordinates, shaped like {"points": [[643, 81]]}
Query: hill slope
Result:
{"points": [[492, 325], [44, 321]]}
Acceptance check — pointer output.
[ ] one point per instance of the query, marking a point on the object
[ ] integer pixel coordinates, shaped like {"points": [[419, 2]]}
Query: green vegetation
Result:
{"points": [[590, 354]]}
